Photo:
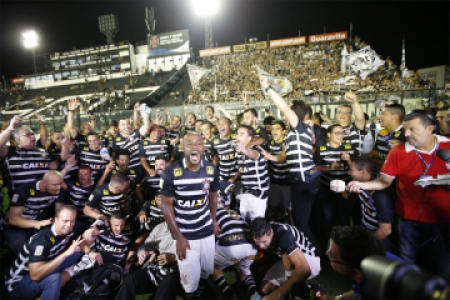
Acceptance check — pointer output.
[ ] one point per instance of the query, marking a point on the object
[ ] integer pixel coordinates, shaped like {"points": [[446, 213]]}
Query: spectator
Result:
{"points": [[419, 220]]}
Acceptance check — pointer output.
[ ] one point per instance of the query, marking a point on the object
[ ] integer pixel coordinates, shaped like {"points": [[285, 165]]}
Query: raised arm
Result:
{"points": [[72, 104], [43, 132], [6, 134], [280, 103], [360, 120]]}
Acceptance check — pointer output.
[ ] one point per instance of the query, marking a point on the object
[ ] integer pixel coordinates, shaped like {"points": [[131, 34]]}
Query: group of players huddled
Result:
{"points": [[187, 202]]}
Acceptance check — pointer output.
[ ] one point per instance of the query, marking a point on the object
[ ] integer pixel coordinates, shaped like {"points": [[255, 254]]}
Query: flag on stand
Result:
{"points": [[196, 73], [280, 84]]}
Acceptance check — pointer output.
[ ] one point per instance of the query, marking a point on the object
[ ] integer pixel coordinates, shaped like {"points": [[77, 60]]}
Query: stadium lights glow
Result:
{"points": [[206, 7], [30, 39]]}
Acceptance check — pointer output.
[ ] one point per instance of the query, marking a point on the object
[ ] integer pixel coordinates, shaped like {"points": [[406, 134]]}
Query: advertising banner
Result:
{"points": [[215, 51], [299, 40], [250, 46], [327, 37], [169, 43]]}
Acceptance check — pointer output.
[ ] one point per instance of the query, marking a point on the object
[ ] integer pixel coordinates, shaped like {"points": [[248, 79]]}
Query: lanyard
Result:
{"points": [[427, 166]]}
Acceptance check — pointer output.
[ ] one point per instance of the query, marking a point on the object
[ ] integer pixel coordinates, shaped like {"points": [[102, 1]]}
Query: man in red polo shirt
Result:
{"points": [[424, 212]]}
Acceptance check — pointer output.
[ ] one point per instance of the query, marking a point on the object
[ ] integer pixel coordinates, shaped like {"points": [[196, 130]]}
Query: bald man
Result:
{"points": [[32, 207]]}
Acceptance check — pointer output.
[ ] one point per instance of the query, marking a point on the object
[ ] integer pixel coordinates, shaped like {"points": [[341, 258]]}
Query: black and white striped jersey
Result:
{"points": [[151, 182], [78, 196], [287, 238], [279, 171], [113, 248], [326, 155], [227, 156], [80, 140], [231, 224], [107, 202], [191, 190], [131, 143], [172, 134], [134, 174], [376, 207], [382, 142], [352, 135], [149, 150], [44, 246], [25, 166], [299, 154], [209, 153], [93, 159], [37, 205], [155, 215], [260, 131], [254, 175]]}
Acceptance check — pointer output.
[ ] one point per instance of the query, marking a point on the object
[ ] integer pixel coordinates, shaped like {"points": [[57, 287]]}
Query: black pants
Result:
{"points": [[139, 282], [302, 198]]}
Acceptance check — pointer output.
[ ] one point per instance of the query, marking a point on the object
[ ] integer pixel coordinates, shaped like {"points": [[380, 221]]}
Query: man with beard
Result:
{"points": [[424, 211], [250, 118], [39, 270], [152, 147], [32, 207], [190, 123], [189, 195], [24, 162], [88, 155], [173, 130], [150, 183], [442, 115], [79, 191]]}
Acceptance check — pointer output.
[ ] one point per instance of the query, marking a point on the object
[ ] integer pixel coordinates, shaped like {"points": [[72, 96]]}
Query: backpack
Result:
{"points": [[98, 282]]}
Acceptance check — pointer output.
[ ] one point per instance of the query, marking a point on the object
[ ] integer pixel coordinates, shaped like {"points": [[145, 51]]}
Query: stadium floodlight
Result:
{"points": [[206, 7], [30, 41], [109, 26]]}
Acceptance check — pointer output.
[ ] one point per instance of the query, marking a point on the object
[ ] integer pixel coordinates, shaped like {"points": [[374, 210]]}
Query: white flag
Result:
{"points": [[280, 84], [196, 73], [363, 62]]}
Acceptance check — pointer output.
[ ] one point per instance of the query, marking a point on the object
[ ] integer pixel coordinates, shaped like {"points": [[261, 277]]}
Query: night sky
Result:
{"points": [[62, 25]]}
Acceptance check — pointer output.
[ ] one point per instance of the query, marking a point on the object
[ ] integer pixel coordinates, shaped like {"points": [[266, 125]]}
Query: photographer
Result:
{"points": [[348, 247]]}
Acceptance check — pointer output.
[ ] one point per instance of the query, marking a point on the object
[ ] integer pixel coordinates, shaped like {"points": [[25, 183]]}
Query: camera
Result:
{"points": [[388, 279]]}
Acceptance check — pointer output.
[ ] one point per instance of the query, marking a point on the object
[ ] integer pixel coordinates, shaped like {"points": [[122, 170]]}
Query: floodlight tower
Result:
{"points": [[150, 22], [30, 39], [109, 26], [207, 8]]}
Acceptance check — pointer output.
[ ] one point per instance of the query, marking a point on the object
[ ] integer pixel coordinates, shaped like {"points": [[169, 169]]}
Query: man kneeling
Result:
{"points": [[298, 259]]}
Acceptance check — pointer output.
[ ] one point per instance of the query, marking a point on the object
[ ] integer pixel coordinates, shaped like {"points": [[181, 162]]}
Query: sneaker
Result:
{"points": [[229, 189]]}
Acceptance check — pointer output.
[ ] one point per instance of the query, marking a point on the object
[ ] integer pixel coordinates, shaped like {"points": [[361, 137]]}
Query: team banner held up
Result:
{"points": [[196, 73], [279, 84], [363, 62]]}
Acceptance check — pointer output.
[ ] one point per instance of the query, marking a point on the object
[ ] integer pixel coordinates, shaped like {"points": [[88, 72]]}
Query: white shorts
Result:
{"points": [[277, 274], [198, 263], [280, 194], [240, 256], [252, 207]]}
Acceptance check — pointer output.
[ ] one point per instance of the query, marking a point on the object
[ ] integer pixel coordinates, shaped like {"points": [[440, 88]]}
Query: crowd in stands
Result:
{"points": [[159, 199], [313, 69]]}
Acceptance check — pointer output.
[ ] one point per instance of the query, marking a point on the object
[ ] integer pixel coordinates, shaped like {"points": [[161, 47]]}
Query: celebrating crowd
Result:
{"points": [[175, 206]]}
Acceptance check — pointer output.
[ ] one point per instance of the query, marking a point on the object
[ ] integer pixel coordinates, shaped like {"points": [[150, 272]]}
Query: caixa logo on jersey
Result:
{"points": [[35, 165], [113, 249]]}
